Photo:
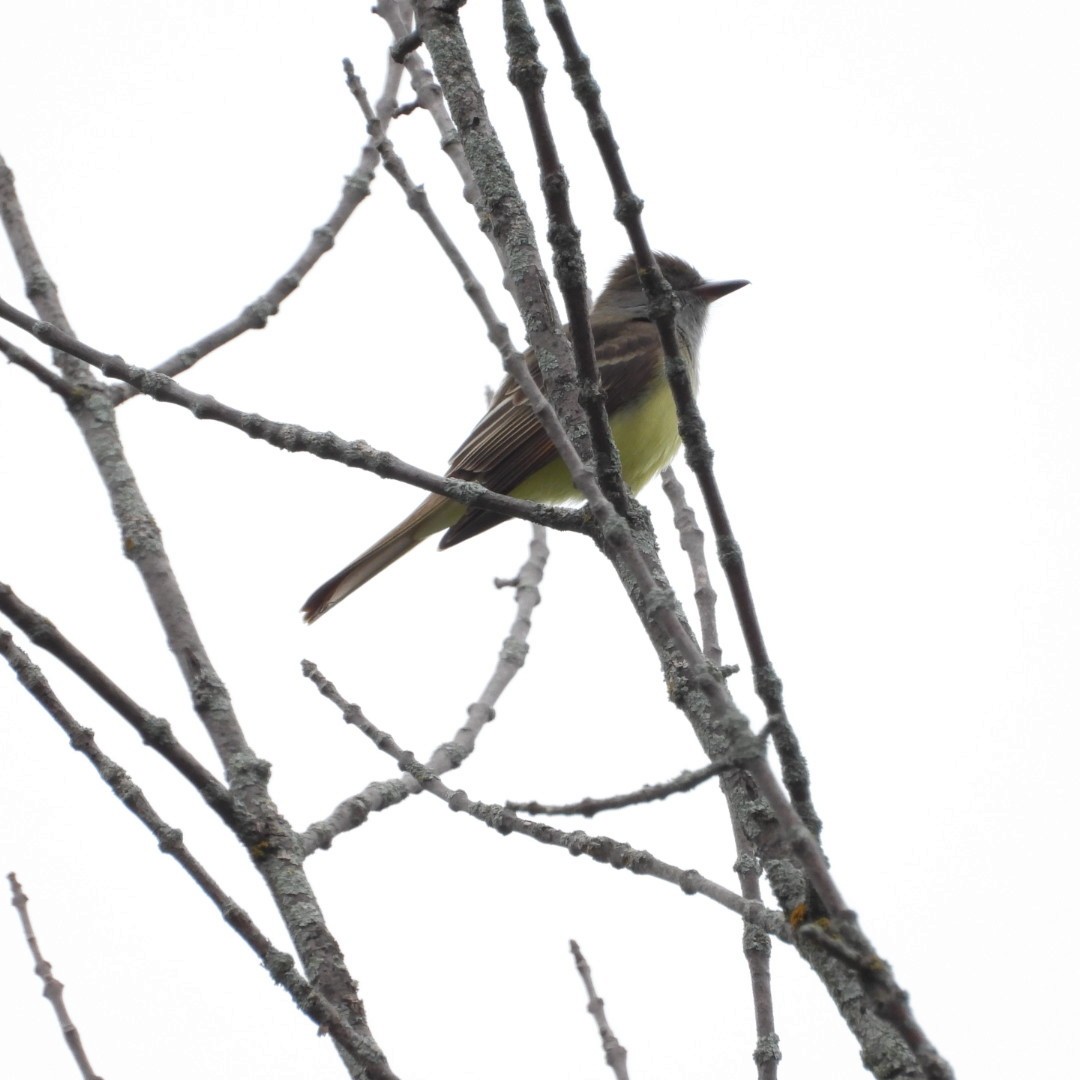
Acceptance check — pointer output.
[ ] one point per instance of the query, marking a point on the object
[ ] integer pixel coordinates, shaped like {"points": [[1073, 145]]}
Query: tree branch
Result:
{"points": [[368, 1058], [687, 780], [260, 827], [256, 315], [293, 437], [381, 795], [692, 541], [614, 1051], [527, 74], [699, 454], [54, 988], [156, 732], [21, 358], [600, 848], [416, 198]]}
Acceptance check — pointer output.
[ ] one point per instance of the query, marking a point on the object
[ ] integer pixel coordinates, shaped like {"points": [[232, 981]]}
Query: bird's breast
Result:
{"points": [[646, 432]]}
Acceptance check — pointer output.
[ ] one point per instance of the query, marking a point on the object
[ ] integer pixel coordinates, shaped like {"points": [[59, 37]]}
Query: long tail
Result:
{"points": [[434, 514]]}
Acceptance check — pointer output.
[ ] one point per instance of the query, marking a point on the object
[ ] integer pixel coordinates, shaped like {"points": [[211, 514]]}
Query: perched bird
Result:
{"points": [[508, 450]]}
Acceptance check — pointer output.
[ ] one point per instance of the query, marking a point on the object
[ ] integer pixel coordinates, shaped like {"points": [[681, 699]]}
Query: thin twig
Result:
{"points": [[699, 454], [383, 794], [797, 818], [614, 1051], [504, 219], [417, 199], [156, 732], [258, 313], [721, 727], [429, 96], [54, 988], [21, 358], [692, 541], [756, 945], [685, 781], [260, 826], [278, 963], [603, 849], [527, 74], [142, 541], [293, 437], [727, 731]]}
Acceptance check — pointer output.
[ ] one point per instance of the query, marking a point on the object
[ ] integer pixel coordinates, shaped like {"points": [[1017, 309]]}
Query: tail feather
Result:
{"points": [[433, 514]]}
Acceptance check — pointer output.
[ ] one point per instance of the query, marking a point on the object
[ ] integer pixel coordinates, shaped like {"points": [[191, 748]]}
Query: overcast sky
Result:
{"points": [[894, 409]]}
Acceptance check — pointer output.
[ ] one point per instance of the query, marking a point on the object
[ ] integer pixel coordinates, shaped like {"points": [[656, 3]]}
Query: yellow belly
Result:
{"points": [[647, 435]]}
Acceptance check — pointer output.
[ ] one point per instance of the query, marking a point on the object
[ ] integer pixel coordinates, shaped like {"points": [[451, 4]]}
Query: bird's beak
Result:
{"points": [[713, 290]]}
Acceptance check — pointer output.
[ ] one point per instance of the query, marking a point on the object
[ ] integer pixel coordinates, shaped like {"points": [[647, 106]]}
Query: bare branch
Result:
{"points": [[757, 947], [256, 315], [890, 1000], [720, 726], [699, 454], [727, 733], [687, 780], [21, 358], [527, 74], [614, 1052], [504, 219], [40, 288], [261, 828], [600, 848], [386, 793], [416, 199], [292, 437], [142, 541], [692, 541], [156, 732], [54, 988], [369, 1059], [429, 95]]}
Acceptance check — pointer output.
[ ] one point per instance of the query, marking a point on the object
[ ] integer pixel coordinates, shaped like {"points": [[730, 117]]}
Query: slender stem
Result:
{"points": [[54, 988], [383, 794], [154, 731], [602, 849], [258, 313], [588, 807], [368, 1059], [259, 826], [528, 75], [614, 1051], [699, 454], [292, 437]]}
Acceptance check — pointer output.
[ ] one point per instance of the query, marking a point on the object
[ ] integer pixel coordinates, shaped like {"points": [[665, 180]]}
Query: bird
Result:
{"points": [[509, 452]]}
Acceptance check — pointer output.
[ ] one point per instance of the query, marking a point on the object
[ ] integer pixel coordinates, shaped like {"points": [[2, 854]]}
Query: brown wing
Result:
{"points": [[508, 445]]}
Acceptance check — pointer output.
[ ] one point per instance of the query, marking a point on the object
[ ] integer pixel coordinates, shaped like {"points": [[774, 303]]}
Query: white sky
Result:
{"points": [[893, 405]]}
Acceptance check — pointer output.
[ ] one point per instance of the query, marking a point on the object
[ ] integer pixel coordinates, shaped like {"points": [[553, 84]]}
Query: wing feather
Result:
{"points": [[508, 445]]}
